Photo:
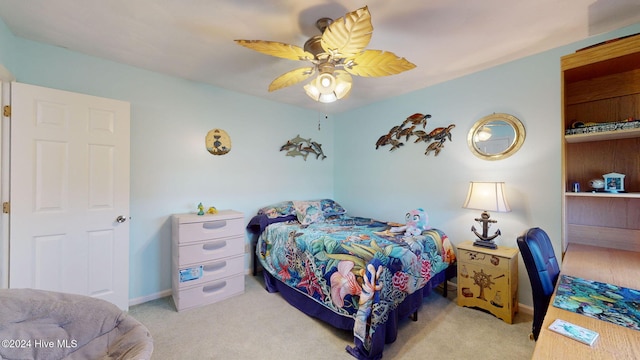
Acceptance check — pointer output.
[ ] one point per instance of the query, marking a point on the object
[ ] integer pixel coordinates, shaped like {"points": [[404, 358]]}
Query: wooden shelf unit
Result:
{"points": [[602, 84]]}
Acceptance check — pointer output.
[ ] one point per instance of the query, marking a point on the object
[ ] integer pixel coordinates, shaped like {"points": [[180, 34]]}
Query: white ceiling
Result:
{"points": [[193, 39]]}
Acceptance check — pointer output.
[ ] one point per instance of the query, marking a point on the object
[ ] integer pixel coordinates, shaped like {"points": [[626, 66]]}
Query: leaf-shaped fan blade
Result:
{"points": [[292, 77], [348, 35], [376, 63], [342, 75], [278, 49]]}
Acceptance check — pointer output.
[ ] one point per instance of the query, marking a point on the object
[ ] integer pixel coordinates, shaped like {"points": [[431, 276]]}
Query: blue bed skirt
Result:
{"points": [[381, 337]]}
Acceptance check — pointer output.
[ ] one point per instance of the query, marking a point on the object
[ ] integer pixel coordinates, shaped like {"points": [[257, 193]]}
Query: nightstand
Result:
{"points": [[488, 279], [208, 258]]}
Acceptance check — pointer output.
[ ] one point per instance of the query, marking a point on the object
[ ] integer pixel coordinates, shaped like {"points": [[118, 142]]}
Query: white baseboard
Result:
{"points": [[161, 294], [144, 299], [451, 286], [525, 309]]}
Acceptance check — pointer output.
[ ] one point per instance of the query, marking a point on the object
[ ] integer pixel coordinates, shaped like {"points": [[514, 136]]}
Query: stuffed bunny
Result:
{"points": [[416, 222]]}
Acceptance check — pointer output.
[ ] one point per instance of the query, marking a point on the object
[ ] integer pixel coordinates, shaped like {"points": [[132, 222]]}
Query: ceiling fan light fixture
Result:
{"points": [[312, 91], [343, 88], [327, 98], [325, 83], [337, 54], [315, 91], [328, 87]]}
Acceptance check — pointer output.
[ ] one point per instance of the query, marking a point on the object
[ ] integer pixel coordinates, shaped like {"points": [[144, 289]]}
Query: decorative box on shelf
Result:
{"points": [[590, 128], [207, 258], [614, 182], [488, 279]]}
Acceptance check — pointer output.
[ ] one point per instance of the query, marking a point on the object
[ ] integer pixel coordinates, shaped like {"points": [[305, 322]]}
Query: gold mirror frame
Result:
{"points": [[508, 138]]}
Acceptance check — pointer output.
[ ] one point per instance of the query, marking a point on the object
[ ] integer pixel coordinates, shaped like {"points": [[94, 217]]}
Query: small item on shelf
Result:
{"points": [[614, 182], [575, 187], [596, 184], [579, 127], [574, 331], [200, 209]]}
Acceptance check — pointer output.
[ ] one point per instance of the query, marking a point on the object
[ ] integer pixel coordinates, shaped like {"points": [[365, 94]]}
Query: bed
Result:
{"points": [[354, 273]]}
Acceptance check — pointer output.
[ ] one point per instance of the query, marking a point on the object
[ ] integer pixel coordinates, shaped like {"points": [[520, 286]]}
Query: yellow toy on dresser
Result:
{"points": [[488, 279]]}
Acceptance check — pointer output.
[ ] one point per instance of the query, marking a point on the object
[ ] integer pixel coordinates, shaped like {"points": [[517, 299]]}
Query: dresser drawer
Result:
{"points": [[210, 292], [211, 229], [482, 259], [208, 271], [210, 250]]}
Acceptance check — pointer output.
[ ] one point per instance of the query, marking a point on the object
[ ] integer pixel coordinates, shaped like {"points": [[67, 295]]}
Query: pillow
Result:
{"points": [[331, 208], [281, 209], [308, 212]]}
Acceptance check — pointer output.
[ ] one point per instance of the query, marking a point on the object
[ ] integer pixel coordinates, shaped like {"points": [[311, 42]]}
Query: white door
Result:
{"points": [[69, 193]]}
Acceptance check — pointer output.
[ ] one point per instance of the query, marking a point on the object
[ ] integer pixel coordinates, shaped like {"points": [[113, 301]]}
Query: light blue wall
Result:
{"points": [[387, 184], [171, 171], [6, 43]]}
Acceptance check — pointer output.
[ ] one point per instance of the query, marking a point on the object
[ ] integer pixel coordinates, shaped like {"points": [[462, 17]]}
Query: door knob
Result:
{"points": [[121, 219]]}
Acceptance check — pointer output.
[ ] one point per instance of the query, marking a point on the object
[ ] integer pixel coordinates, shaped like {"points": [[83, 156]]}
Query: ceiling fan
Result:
{"points": [[335, 55]]}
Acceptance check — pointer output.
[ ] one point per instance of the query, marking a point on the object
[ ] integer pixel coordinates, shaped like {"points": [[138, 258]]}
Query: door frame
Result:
{"points": [[5, 94]]}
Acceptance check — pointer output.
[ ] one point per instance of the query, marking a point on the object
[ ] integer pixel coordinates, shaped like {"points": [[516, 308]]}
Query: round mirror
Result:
{"points": [[496, 136]]}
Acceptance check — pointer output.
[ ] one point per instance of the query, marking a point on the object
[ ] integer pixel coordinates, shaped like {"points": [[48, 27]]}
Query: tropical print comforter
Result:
{"points": [[354, 266]]}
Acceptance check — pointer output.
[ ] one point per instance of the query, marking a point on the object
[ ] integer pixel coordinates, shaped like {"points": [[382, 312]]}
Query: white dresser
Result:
{"points": [[207, 257]]}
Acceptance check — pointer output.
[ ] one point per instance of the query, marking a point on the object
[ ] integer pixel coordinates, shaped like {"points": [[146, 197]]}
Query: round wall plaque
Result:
{"points": [[218, 142]]}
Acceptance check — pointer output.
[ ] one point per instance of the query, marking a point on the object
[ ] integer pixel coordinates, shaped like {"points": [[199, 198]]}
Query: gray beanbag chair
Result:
{"points": [[42, 325]]}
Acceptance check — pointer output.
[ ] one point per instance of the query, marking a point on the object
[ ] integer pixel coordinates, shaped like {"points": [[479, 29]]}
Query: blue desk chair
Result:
{"points": [[542, 266]]}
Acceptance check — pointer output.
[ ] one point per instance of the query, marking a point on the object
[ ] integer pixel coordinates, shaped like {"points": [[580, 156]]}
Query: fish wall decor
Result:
{"points": [[415, 126], [303, 147]]}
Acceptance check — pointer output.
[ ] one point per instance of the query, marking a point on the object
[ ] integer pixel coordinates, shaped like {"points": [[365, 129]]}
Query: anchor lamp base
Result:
{"points": [[489, 244]]}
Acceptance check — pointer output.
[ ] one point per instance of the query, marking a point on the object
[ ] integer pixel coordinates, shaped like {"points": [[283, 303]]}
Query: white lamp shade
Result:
{"points": [[338, 85], [487, 196], [325, 83]]}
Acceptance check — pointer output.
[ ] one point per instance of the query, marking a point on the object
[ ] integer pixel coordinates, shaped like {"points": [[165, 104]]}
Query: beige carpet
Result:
{"points": [[260, 325]]}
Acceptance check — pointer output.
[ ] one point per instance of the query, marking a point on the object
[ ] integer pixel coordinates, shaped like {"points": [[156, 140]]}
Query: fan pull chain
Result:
{"points": [[325, 117]]}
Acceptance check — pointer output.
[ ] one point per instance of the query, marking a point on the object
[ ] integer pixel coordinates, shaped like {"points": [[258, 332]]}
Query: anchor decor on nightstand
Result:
{"points": [[486, 196]]}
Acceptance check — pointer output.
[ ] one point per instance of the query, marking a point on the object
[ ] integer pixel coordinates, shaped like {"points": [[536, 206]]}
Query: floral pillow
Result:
{"points": [[308, 212], [281, 209], [331, 208]]}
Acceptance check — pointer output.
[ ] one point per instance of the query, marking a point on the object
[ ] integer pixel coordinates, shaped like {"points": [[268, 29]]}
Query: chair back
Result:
{"points": [[543, 269]]}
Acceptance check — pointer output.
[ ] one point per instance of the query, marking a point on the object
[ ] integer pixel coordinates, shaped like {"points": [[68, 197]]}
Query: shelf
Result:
{"points": [[633, 195], [604, 135]]}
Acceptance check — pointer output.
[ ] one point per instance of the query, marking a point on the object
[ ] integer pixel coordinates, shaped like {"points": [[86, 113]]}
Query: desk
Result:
{"points": [[606, 265]]}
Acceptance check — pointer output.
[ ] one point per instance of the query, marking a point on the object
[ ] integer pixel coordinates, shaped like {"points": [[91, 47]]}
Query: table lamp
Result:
{"points": [[486, 196]]}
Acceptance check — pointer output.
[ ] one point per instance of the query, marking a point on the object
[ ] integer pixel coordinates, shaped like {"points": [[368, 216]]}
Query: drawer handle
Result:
{"points": [[212, 225], [214, 246], [214, 288], [215, 267]]}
